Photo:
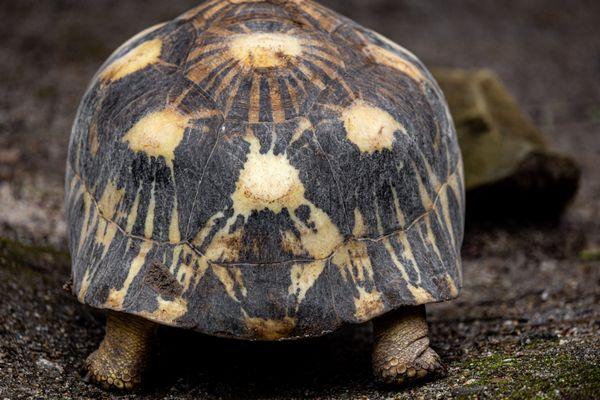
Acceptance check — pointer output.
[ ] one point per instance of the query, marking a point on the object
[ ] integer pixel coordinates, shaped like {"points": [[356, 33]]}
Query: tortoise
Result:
{"points": [[264, 170]]}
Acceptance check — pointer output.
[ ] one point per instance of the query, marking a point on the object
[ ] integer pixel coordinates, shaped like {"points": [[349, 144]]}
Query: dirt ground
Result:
{"points": [[528, 321]]}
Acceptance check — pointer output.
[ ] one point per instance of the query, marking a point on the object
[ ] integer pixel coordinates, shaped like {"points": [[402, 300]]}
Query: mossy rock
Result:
{"points": [[509, 167]]}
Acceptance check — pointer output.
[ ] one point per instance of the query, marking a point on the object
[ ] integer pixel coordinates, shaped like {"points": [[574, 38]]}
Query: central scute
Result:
{"points": [[265, 50], [267, 180], [270, 216], [263, 69]]}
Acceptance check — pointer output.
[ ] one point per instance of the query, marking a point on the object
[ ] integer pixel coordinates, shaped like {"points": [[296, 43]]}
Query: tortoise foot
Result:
{"points": [[122, 359], [401, 353], [113, 374], [398, 370]]}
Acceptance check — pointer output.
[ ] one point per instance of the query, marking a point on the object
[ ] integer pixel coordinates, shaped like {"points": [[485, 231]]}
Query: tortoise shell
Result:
{"points": [[263, 170]]}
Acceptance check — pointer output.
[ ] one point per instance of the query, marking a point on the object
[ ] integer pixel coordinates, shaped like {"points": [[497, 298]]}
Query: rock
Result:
{"points": [[509, 167], [49, 366], [468, 391]]}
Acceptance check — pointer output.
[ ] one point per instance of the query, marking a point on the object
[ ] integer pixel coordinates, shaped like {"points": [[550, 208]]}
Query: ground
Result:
{"points": [[528, 321]]}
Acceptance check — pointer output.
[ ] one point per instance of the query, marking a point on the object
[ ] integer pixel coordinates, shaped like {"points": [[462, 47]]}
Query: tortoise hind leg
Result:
{"points": [[401, 351], [124, 354]]}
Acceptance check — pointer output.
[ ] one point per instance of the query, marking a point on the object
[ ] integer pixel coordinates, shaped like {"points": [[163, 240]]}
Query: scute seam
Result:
{"points": [[197, 251]]}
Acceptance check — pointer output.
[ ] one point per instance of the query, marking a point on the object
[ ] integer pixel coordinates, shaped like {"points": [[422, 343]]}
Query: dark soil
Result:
{"points": [[528, 322]]}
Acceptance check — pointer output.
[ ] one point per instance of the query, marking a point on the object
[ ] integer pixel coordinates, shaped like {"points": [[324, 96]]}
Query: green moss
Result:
{"points": [[590, 255], [18, 255], [542, 371]]}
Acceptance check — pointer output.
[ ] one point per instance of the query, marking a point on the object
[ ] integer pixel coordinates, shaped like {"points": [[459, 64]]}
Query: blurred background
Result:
{"points": [[528, 320]]}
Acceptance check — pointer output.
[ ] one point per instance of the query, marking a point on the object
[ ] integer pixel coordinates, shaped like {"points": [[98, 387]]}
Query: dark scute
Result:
{"points": [[262, 241], [160, 278]]}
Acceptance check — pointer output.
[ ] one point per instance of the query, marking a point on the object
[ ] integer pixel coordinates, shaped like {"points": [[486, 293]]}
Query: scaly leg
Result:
{"points": [[124, 354], [401, 352]]}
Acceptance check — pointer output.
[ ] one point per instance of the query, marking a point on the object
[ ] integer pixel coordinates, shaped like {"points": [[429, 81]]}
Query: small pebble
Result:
{"points": [[545, 295], [47, 365]]}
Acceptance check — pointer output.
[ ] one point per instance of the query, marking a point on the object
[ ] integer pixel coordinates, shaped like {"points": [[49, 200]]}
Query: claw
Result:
{"points": [[87, 378]]}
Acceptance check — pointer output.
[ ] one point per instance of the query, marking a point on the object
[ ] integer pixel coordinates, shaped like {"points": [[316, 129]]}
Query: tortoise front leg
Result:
{"points": [[401, 351], [124, 354]]}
